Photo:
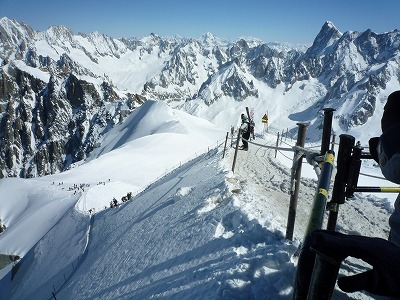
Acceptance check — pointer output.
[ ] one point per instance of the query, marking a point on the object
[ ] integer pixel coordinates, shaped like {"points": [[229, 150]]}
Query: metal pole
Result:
{"points": [[306, 259], [301, 137], [378, 189], [232, 130], [277, 144], [226, 140], [236, 151], [326, 130], [321, 198]]}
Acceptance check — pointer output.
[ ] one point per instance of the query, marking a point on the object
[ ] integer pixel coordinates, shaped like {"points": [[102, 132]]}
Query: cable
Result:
{"points": [[372, 176]]}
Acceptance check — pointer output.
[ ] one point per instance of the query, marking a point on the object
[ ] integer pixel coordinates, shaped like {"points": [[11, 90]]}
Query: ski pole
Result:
{"points": [[306, 259], [323, 278], [346, 144], [378, 189], [354, 171], [326, 129]]}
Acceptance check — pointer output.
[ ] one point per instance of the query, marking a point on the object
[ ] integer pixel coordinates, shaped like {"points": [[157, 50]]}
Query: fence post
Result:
{"points": [[226, 140], [326, 130], [277, 144], [301, 136], [236, 151], [232, 130]]}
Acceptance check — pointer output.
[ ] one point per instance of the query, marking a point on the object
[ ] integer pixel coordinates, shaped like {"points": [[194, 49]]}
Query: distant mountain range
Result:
{"points": [[60, 91]]}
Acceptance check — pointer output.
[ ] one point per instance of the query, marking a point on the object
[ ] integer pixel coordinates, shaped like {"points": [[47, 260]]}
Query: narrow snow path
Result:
{"points": [[267, 177]]}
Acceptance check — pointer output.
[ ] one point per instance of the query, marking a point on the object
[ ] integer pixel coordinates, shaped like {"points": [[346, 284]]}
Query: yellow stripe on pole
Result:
{"points": [[330, 158], [390, 189], [324, 192]]}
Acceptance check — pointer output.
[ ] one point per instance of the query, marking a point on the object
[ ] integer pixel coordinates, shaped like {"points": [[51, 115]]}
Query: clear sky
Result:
{"points": [[295, 21]]}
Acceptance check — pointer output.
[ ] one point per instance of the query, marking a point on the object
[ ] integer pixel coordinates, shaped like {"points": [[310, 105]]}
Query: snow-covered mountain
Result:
{"points": [[60, 92], [193, 228]]}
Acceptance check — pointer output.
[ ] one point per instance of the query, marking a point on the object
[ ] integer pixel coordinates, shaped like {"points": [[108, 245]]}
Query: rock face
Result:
{"points": [[59, 92], [50, 117], [46, 126]]}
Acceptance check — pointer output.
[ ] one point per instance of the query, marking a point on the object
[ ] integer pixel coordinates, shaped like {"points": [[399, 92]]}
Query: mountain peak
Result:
{"points": [[11, 31], [329, 24], [327, 36]]}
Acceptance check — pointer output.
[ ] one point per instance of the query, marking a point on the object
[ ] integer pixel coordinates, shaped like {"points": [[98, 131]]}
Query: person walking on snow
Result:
{"points": [[245, 129]]}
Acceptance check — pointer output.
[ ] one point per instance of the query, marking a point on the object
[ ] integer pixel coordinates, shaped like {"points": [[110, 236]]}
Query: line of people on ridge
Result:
{"points": [[114, 202]]}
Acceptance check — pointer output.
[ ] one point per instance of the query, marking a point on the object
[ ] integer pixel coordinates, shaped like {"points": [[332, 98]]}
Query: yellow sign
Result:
{"points": [[264, 119]]}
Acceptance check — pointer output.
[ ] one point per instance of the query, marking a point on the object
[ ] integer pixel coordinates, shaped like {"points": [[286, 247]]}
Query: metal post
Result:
{"points": [[346, 145], [236, 150], [306, 259], [277, 144], [301, 137], [326, 130], [232, 130], [226, 140]]}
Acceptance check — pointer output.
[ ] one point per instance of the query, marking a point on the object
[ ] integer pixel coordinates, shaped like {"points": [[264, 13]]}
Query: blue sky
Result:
{"points": [[292, 21]]}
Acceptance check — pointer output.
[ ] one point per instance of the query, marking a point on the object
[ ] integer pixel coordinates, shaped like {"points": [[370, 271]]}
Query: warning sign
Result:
{"points": [[264, 119]]}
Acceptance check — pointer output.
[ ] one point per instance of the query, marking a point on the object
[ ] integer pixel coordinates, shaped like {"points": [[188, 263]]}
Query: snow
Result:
{"points": [[194, 229], [44, 76]]}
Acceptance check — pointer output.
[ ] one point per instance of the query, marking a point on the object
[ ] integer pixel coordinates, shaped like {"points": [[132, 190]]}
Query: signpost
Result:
{"points": [[265, 122]]}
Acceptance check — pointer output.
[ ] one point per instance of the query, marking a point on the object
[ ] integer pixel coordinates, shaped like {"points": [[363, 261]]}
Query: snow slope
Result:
{"points": [[195, 229]]}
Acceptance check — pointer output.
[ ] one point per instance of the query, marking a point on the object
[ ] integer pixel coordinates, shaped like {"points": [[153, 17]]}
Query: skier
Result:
{"points": [[384, 256], [245, 129]]}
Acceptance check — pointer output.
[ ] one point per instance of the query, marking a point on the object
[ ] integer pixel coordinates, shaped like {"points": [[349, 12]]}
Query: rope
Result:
{"points": [[312, 157], [285, 155], [269, 147], [373, 176]]}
